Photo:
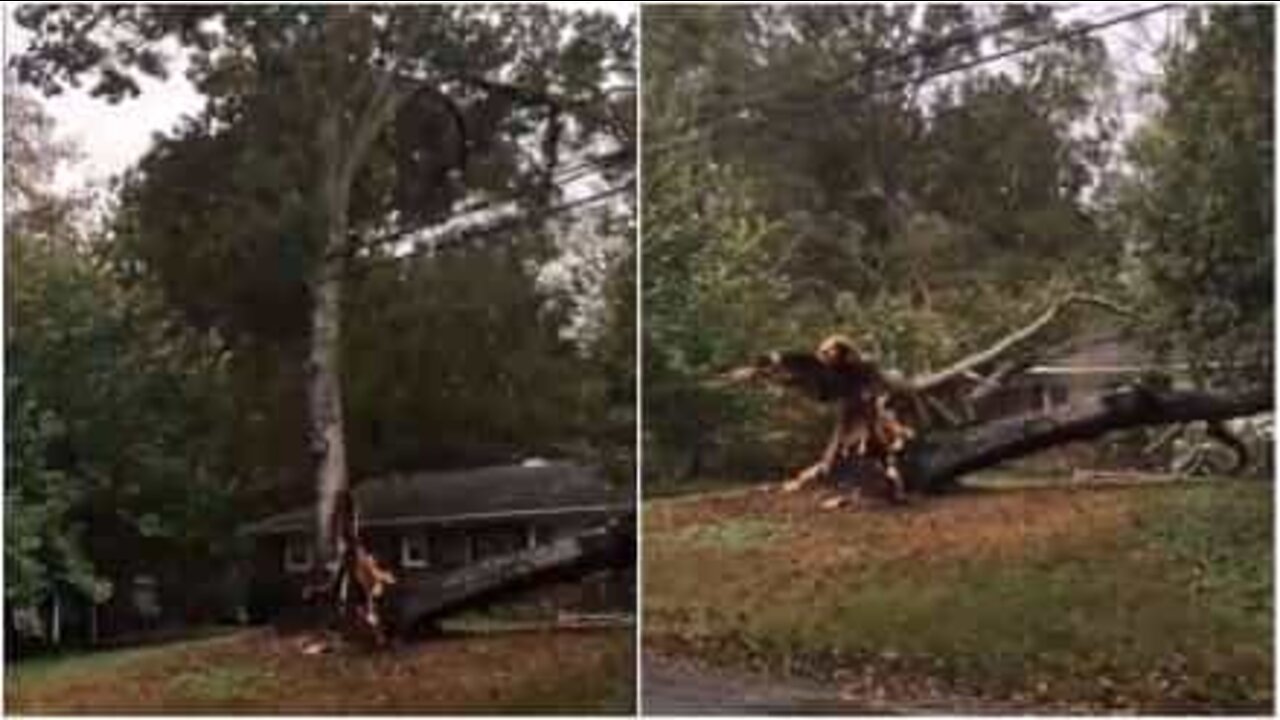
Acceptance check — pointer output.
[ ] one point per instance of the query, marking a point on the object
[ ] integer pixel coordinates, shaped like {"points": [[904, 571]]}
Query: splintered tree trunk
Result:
{"points": [[934, 461]]}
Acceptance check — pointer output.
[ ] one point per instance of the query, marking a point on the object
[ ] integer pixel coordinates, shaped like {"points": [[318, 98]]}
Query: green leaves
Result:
{"points": [[1198, 206], [107, 408]]}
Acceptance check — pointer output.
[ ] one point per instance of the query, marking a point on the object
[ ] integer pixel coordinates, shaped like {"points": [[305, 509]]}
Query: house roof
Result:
{"points": [[533, 489]]}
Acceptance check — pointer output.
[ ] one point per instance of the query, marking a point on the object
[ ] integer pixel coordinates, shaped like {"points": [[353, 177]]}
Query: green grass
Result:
{"points": [[215, 684], [596, 693], [1150, 598], [82, 662], [78, 663], [734, 534], [687, 488], [261, 672]]}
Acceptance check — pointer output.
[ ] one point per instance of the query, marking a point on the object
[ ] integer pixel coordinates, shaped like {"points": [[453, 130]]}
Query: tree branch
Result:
{"points": [[463, 236], [375, 115], [1218, 431], [1010, 342]]}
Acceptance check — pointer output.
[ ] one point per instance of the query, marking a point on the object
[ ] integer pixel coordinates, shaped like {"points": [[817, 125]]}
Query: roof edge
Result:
{"points": [[262, 527]]}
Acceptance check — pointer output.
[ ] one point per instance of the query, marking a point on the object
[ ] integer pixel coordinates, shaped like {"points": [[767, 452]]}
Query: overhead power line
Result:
{"points": [[469, 236], [1065, 35], [922, 48]]}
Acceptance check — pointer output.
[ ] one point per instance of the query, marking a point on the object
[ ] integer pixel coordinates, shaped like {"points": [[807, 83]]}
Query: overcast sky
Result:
{"points": [[114, 136]]}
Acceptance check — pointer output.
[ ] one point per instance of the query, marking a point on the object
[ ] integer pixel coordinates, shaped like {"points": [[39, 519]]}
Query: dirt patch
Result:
{"points": [[675, 685]]}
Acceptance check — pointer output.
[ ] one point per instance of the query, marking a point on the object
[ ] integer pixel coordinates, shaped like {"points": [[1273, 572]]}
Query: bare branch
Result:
{"points": [[1218, 431], [379, 111], [1010, 342]]}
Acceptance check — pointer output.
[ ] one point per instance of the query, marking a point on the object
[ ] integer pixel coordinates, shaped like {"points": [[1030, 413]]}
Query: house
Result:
{"points": [[1093, 365], [429, 525], [1096, 364]]}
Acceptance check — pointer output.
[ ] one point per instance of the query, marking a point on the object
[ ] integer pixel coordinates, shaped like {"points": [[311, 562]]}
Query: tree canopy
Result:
{"points": [[1199, 204]]}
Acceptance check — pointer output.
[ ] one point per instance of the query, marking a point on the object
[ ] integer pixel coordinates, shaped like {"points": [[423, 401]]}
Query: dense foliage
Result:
{"points": [[1199, 205], [115, 453]]}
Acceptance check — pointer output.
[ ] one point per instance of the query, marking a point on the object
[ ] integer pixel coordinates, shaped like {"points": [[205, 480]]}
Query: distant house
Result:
{"points": [[1094, 365], [434, 523]]}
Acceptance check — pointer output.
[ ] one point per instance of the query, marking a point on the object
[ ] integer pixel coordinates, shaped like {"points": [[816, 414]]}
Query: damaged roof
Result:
{"points": [[532, 489]]}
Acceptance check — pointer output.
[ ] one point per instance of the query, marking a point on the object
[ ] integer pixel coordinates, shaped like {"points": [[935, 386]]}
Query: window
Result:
{"points": [[494, 541], [146, 596], [448, 549], [414, 550], [544, 534], [297, 555]]}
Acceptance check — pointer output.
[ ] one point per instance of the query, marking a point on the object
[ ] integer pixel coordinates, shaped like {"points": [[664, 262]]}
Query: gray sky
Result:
{"points": [[114, 136]]}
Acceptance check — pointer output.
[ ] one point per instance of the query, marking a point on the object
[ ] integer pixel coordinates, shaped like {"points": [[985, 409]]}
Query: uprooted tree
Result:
{"points": [[922, 433]]}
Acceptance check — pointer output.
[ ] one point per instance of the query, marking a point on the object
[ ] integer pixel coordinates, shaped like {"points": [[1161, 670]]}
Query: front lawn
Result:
{"points": [[259, 671], [1154, 598]]}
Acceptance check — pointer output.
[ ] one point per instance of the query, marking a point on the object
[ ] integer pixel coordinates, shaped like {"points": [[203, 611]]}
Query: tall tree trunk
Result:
{"points": [[344, 139], [324, 364]]}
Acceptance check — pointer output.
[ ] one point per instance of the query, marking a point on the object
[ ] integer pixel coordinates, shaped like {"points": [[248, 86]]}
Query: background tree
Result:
{"points": [[342, 136], [114, 460], [1198, 205]]}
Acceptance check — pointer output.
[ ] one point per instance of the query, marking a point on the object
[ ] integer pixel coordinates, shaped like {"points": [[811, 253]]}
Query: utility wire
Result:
{"points": [[921, 48], [585, 167], [1065, 35], [467, 235]]}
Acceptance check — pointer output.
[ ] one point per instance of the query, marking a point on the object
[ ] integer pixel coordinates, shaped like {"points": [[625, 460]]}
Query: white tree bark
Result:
{"points": [[324, 365], [343, 148]]}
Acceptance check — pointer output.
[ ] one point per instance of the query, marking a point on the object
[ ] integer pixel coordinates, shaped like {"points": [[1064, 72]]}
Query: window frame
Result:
{"points": [[406, 560], [291, 562]]}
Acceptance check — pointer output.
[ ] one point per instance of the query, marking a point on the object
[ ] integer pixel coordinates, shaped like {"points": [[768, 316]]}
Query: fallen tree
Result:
{"points": [[947, 439], [935, 460]]}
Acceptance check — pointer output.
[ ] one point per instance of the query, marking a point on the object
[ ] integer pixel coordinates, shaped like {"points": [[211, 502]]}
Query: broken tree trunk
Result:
{"points": [[937, 444], [935, 460], [358, 585]]}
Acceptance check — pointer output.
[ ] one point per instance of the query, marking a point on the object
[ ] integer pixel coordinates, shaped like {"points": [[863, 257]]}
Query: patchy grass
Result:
{"points": [[734, 534], [1154, 598], [262, 672]]}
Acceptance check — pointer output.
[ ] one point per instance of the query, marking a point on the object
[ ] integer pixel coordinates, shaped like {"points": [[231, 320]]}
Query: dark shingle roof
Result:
{"points": [[508, 490]]}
